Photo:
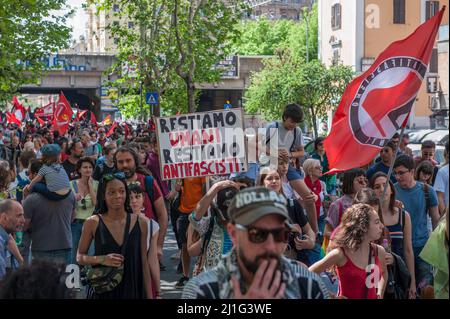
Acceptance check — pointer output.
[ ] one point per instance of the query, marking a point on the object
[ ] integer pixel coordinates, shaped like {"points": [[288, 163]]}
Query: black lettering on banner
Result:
{"points": [[167, 157], [218, 119], [163, 125], [182, 122], [230, 118], [207, 123]]}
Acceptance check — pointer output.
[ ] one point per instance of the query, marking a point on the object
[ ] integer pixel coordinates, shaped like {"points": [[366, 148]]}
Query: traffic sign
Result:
{"points": [[151, 98]]}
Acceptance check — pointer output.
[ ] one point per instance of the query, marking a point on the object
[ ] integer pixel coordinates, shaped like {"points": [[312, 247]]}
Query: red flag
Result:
{"points": [[63, 114], [41, 121], [93, 119], [127, 131], [111, 130], [80, 114], [11, 118], [18, 109], [377, 103]]}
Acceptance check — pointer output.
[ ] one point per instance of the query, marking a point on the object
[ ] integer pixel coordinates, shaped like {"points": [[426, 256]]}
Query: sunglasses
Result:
{"points": [[83, 203], [110, 177], [259, 235]]}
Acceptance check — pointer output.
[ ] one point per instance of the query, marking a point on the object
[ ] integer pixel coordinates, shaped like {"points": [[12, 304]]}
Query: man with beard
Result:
{"points": [[255, 268], [126, 160], [75, 151]]}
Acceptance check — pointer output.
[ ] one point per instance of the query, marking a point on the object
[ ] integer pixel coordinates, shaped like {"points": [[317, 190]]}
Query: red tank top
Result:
{"points": [[352, 279]]}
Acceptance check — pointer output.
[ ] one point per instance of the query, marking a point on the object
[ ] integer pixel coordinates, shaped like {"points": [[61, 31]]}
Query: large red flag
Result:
{"points": [[41, 121], [377, 103], [63, 114], [11, 118]]}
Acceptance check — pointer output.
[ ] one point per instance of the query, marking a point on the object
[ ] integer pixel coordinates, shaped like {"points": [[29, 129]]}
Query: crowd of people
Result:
{"points": [[276, 231]]}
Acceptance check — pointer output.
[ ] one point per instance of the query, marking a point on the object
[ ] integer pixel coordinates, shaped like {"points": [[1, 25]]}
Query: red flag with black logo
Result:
{"points": [[18, 109], [63, 115], [378, 103]]}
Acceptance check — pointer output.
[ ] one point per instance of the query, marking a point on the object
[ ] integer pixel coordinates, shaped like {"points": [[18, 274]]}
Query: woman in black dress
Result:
{"points": [[106, 228]]}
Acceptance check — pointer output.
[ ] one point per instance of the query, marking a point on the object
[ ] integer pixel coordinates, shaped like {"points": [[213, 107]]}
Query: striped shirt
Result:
{"points": [[55, 176], [215, 283]]}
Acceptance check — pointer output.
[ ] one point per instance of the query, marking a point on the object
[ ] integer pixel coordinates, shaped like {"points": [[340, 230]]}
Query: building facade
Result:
{"points": [[278, 9], [355, 32]]}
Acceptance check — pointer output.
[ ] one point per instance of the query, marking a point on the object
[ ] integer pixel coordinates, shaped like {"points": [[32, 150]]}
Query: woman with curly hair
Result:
{"points": [[360, 264]]}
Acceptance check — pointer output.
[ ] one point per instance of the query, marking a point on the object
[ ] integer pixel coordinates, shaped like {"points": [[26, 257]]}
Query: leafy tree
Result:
{"points": [[287, 78], [29, 31], [173, 44]]}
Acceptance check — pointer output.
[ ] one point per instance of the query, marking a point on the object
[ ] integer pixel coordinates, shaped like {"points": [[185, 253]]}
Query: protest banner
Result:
{"points": [[202, 144]]}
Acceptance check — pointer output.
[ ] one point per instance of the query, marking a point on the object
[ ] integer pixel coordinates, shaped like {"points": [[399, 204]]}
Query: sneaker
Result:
{"points": [[180, 284]]}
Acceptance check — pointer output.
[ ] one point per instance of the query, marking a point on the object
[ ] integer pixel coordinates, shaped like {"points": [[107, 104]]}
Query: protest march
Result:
{"points": [[90, 208]]}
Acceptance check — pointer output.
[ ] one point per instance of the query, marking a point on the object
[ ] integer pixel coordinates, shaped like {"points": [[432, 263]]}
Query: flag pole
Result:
{"points": [[391, 167]]}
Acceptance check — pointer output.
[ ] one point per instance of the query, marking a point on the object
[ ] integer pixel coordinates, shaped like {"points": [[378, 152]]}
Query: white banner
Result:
{"points": [[202, 144]]}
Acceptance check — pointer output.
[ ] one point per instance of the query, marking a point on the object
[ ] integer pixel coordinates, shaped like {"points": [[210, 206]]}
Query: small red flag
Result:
{"points": [[127, 131], [93, 119], [111, 130], [377, 103], [41, 121], [18, 109], [63, 114]]}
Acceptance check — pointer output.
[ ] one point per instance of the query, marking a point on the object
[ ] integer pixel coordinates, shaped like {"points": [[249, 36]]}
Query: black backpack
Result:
{"points": [[399, 279]]}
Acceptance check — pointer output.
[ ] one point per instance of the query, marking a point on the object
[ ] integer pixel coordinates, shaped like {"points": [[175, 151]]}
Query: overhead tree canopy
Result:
{"points": [[29, 31]]}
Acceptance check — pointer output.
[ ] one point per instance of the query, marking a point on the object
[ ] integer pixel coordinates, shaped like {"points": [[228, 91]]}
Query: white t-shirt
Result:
{"points": [[153, 231], [441, 182]]}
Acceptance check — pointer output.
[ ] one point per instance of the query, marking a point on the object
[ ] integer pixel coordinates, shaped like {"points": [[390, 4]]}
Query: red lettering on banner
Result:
{"points": [[196, 169]]}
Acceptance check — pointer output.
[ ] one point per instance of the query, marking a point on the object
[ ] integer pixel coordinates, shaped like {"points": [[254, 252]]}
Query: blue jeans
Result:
{"points": [[77, 227], [423, 270], [61, 255], [42, 189]]}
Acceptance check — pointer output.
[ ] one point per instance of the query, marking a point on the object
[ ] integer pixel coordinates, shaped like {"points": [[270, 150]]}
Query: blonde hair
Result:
{"points": [[309, 164]]}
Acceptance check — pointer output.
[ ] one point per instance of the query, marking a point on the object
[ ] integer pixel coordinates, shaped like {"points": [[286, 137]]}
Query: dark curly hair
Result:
{"points": [[354, 225], [40, 280], [102, 207]]}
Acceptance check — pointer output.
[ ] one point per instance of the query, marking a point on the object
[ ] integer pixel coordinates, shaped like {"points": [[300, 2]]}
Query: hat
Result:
{"points": [[51, 150], [253, 203], [224, 198]]}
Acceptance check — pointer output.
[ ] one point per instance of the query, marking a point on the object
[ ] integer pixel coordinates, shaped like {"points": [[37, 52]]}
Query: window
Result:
{"points": [[431, 9], [130, 25], [336, 10], [399, 11], [433, 68], [116, 8]]}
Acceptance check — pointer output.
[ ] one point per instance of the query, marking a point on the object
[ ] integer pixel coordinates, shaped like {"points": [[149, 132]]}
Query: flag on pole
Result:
{"points": [[63, 114], [378, 103], [80, 115], [107, 120], [111, 130], [12, 119], [18, 109], [41, 121], [93, 119]]}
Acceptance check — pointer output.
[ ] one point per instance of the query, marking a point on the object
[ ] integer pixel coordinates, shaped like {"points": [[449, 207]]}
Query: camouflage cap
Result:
{"points": [[253, 203]]}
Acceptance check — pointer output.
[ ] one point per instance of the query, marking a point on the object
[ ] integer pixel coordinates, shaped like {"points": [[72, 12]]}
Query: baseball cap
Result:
{"points": [[51, 150], [253, 203]]}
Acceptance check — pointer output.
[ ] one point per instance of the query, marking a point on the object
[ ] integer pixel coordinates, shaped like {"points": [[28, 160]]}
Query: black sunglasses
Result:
{"points": [[83, 203], [110, 177], [259, 235]]}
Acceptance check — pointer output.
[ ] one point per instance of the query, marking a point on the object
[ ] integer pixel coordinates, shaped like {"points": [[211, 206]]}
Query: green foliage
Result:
{"points": [[287, 78], [264, 37], [174, 44], [29, 31]]}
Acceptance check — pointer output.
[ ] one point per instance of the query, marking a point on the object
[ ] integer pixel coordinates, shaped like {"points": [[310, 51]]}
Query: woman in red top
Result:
{"points": [[359, 227]]}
